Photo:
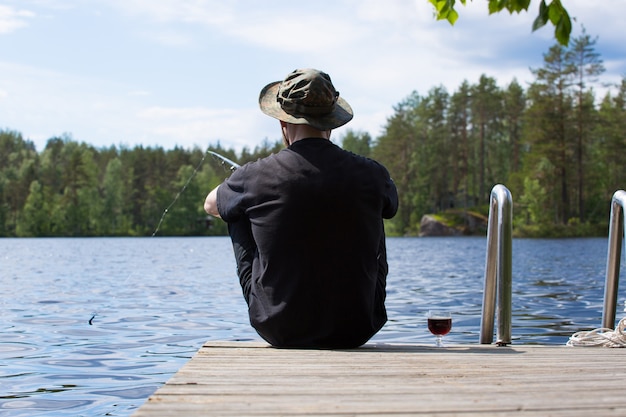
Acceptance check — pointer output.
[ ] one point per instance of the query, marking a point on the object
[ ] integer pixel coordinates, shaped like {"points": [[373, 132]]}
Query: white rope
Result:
{"points": [[602, 337]]}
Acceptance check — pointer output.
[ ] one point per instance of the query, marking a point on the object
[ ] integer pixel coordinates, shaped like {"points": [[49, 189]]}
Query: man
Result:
{"points": [[307, 224]]}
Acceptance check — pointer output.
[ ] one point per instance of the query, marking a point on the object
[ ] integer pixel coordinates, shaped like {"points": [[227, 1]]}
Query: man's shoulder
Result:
{"points": [[271, 159], [360, 159]]}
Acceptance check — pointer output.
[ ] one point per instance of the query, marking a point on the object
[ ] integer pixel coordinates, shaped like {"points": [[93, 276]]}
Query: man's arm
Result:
{"points": [[210, 203]]}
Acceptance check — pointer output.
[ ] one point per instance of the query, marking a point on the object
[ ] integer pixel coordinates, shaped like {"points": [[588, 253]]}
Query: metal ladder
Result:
{"points": [[498, 265], [616, 236], [498, 268]]}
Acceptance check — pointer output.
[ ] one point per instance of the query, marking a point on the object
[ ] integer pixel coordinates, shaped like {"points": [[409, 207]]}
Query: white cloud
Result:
{"points": [[201, 126], [209, 12], [12, 19]]}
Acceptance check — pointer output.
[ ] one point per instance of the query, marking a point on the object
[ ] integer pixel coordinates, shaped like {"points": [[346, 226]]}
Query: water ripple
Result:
{"points": [[94, 326]]}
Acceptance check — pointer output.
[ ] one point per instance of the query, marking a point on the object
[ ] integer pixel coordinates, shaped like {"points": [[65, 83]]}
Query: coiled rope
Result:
{"points": [[602, 337]]}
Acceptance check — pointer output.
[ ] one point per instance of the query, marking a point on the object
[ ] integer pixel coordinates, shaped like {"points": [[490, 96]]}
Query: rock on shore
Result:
{"points": [[471, 224]]}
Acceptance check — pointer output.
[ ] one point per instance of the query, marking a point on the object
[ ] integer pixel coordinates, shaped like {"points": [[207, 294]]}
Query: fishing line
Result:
{"points": [[223, 161], [167, 209]]}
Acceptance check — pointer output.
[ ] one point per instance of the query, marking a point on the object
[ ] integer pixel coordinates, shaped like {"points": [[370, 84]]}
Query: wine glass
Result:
{"points": [[439, 324]]}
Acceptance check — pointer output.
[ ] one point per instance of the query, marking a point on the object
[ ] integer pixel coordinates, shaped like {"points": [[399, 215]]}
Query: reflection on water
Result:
{"points": [[94, 326], [153, 303]]}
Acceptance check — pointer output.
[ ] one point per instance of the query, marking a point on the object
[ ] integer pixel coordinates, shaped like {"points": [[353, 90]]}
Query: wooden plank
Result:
{"points": [[236, 378]]}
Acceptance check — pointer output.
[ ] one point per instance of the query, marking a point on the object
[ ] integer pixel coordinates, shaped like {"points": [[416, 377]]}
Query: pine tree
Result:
{"points": [[588, 66]]}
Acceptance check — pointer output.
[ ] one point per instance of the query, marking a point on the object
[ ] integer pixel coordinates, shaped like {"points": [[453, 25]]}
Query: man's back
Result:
{"points": [[316, 216]]}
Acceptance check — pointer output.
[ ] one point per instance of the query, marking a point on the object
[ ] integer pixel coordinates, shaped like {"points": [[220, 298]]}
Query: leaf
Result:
{"points": [[563, 29], [542, 17], [435, 4], [443, 6], [558, 16], [452, 16], [496, 6], [538, 23], [554, 13], [521, 5], [445, 10]]}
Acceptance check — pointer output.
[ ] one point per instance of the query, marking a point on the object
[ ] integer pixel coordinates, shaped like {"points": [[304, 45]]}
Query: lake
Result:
{"points": [[92, 327]]}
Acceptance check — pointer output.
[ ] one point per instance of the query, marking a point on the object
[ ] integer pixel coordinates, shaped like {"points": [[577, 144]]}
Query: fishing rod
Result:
{"points": [[233, 166]]}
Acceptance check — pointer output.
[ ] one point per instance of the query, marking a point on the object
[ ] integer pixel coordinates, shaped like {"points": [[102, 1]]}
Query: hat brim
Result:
{"points": [[341, 115]]}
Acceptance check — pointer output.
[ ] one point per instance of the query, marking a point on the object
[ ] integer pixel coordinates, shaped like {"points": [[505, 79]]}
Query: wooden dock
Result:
{"points": [[252, 379]]}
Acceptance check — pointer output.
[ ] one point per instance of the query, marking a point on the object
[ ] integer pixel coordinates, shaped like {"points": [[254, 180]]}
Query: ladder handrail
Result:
{"points": [[617, 228], [498, 268]]}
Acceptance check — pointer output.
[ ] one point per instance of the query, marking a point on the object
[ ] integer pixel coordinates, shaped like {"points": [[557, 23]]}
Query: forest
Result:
{"points": [[554, 143]]}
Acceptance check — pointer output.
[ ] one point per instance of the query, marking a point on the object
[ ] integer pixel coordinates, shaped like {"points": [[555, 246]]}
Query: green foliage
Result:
{"points": [[359, 143], [34, 219], [396, 149], [552, 12], [535, 199], [560, 230], [458, 218], [18, 160], [555, 150], [445, 10], [556, 14], [73, 189]]}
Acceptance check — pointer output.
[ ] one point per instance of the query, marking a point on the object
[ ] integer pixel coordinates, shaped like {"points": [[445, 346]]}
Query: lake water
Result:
{"points": [[92, 327]]}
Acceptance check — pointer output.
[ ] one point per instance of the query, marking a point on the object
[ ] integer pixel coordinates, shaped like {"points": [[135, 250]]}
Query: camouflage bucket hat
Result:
{"points": [[306, 96]]}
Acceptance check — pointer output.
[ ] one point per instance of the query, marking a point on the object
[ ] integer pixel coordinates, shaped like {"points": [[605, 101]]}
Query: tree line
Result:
{"points": [[554, 144], [73, 189]]}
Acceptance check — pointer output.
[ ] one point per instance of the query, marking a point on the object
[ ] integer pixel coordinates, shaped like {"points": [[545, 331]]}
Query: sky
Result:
{"points": [[188, 73]]}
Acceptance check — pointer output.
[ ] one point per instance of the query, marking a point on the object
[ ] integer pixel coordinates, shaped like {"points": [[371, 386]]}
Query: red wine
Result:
{"points": [[439, 326]]}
